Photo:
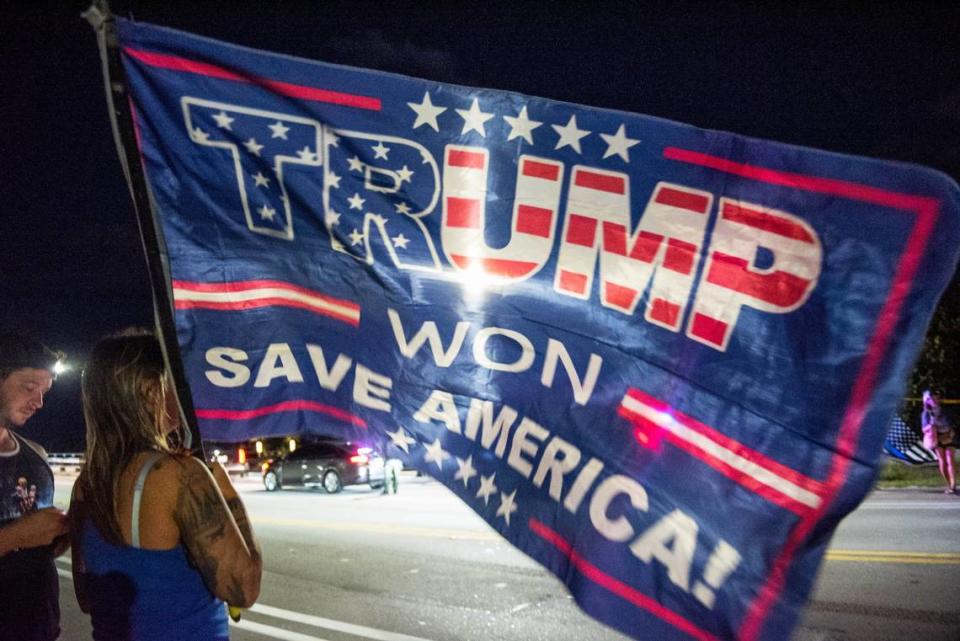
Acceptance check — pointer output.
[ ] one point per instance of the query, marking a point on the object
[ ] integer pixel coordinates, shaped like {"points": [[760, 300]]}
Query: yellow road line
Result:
{"points": [[855, 556], [894, 556]]}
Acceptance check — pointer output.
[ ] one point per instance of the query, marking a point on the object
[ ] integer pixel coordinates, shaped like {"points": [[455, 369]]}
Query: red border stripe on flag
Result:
{"points": [[755, 471], [626, 592], [285, 406], [251, 294], [176, 63]]}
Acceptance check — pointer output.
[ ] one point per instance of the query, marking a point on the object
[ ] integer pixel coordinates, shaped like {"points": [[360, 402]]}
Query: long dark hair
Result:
{"points": [[124, 400]]}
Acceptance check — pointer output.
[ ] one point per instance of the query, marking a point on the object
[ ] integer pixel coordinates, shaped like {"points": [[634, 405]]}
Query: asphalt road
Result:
{"points": [[420, 566]]}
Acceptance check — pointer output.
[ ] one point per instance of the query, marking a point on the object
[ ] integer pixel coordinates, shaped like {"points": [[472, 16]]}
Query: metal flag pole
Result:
{"points": [[124, 134]]}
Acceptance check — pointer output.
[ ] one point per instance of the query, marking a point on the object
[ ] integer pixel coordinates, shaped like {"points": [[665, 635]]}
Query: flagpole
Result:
{"points": [[124, 134]]}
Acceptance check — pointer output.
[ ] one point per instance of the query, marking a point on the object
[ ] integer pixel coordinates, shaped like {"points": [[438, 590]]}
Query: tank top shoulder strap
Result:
{"points": [[148, 462]]}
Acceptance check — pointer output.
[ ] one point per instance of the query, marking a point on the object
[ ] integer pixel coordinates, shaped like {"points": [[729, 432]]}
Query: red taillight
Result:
{"points": [[360, 459], [242, 456]]}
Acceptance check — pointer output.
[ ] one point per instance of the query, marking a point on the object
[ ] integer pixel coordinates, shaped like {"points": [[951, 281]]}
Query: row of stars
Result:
{"points": [[333, 218], [521, 126], [474, 119], [279, 130], [254, 147], [465, 471]]}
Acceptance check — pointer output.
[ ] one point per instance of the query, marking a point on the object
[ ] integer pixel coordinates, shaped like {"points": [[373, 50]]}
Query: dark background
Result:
{"points": [[878, 79]]}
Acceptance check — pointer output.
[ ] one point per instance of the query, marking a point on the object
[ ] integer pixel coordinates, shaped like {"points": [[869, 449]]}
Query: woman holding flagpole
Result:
{"points": [[159, 540]]}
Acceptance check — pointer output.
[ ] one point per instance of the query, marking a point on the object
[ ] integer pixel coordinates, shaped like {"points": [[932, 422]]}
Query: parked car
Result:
{"points": [[329, 465]]}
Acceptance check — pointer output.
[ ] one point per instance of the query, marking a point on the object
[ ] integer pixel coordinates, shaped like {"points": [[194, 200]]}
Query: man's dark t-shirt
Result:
{"points": [[29, 586]]}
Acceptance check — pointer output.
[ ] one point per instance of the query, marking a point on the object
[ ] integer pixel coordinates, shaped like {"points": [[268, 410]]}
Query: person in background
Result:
{"points": [[159, 542], [938, 435], [32, 531]]}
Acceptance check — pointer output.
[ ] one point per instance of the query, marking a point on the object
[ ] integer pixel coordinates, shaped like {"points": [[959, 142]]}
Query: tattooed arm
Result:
{"points": [[215, 529]]}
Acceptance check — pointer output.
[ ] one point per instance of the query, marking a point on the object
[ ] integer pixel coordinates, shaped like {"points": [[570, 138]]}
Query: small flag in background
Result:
{"points": [[906, 445]]}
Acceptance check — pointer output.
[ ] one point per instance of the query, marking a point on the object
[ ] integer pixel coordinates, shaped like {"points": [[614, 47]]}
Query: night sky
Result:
{"points": [[873, 79]]}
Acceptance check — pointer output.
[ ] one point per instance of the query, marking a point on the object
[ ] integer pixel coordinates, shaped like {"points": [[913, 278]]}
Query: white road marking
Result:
{"points": [[949, 503], [332, 624], [297, 617], [275, 633]]}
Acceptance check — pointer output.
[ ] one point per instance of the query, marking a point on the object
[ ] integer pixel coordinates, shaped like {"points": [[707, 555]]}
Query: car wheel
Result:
{"points": [[271, 482], [332, 483]]}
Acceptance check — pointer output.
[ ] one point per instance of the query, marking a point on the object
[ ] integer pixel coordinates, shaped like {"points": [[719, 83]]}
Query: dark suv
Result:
{"points": [[329, 465]]}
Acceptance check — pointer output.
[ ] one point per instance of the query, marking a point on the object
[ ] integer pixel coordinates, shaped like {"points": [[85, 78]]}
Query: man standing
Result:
{"points": [[29, 524]]}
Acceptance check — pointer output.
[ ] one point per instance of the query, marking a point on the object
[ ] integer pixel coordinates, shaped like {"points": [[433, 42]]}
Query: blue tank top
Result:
{"points": [[148, 595]]}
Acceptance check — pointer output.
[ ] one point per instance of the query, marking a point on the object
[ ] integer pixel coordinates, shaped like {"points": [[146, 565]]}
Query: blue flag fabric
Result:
{"points": [[660, 360]]}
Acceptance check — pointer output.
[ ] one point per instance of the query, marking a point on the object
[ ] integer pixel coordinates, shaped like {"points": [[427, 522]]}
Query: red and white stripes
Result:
{"points": [[733, 279], [757, 472], [665, 246], [536, 201], [251, 294]]}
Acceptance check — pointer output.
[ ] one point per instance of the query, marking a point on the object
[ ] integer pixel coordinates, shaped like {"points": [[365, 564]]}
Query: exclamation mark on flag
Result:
{"points": [[723, 561]]}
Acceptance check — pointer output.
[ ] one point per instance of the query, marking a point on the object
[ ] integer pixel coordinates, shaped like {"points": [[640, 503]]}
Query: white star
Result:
{"points": [[355, 164], [487, 487], [199, 135], [336, 244], [332, 218], [404, 174], [267, 213], [356, 237], [466, 470], [570, 135], [618, 143], [473, 118], [307, 155], [333, 180], [356, 202], [261, 180], [332, 138], [400, 241], [436, 454], [426, 113], [380, 151], [521, 126], [401, 439], [223, 120], [279, 130], [402, 208], [253, 147], [507, 506]]}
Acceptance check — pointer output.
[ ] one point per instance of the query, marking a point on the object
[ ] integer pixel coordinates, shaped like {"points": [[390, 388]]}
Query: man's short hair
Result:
{"points": [[18, 352]]}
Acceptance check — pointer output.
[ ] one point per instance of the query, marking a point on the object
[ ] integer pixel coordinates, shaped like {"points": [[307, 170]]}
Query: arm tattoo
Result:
{"points": [[243, 524], [205, 529], [201, 519]]}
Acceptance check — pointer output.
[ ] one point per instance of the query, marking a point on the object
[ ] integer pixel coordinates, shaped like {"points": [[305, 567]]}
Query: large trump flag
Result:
{"points": [[660, 360]]}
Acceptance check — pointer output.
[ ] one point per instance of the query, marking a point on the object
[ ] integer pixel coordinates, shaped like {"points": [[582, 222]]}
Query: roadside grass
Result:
{"points": [[898, 474]]}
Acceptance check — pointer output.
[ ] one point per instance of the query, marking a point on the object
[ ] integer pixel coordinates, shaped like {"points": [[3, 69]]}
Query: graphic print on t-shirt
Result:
{"points": [[26, 484]]}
